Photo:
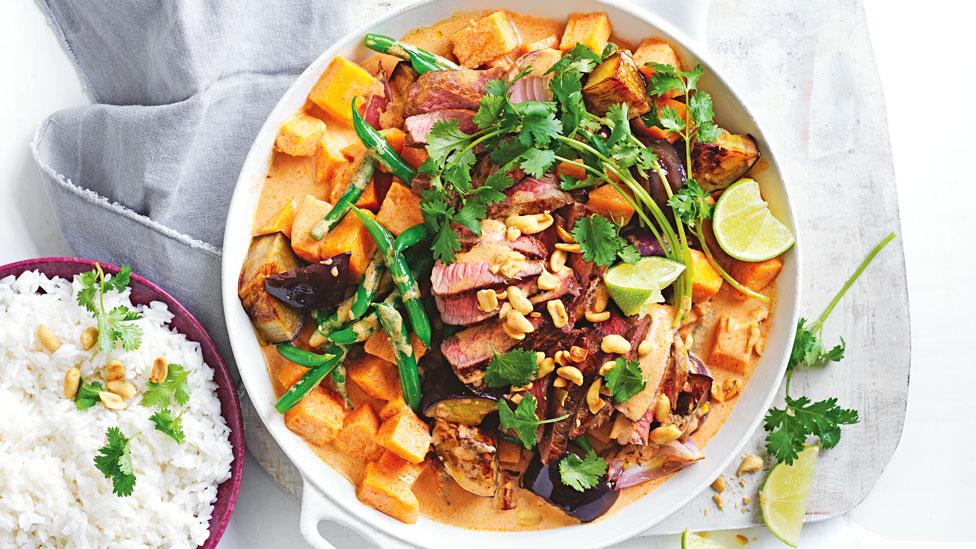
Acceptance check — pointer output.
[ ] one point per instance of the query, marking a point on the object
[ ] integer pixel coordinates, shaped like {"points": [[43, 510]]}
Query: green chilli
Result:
{"points": [[422, 60]]}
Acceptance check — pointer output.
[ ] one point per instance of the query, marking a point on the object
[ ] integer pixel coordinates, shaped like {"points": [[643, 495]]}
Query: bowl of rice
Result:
{"points": [[53, 493]]}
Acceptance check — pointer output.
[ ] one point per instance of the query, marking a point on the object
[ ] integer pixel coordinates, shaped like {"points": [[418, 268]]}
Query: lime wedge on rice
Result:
{"points": [[784, 494], [694, 541], [744, 226], [634, 288]]}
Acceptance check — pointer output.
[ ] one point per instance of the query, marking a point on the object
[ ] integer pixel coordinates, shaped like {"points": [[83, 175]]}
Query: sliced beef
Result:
{"points": [[485, 167], [540, 390], [493, 232], [558, 434], [531, 196], [587, 421], [419, 126], [449, 89], [467, 274], [463, 309], [568, 289], [470, 350]]}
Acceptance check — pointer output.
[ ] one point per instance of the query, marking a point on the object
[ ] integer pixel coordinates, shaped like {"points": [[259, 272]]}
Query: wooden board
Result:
{"points": [[807, 70]]}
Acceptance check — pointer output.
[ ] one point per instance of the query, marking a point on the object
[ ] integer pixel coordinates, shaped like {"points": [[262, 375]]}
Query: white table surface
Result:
{"points": [[923, 499]]}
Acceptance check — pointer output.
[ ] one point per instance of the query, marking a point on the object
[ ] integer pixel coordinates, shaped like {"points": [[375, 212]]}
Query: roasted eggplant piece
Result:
{"points": [[469, 455], [315, 285], [269, 255], [721, 163], [586, 506], [674, 170], [617, 80], [445, 397]]}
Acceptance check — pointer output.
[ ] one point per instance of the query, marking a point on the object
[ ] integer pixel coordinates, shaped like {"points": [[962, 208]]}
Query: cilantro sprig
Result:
{"points": [[523, 421], [87, 395], [790, 426], [581, 474], [115, 325], [625, 379], [115, 462], [169, 424], [174, 387], [601, 243], [516, 367]]}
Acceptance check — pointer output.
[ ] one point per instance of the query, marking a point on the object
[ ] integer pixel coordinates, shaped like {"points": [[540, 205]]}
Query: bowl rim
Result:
{"points": [[225, 383], [788, 297]]}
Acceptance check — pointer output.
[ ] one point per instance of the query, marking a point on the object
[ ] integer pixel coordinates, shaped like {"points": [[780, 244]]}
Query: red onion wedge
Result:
{"points": [[654, 462]]}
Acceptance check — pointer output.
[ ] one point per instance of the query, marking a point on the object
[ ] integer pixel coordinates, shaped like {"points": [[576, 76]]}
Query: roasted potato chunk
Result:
{"points": [[268, 255], [617, 80], [721, 163], [469, 455]]}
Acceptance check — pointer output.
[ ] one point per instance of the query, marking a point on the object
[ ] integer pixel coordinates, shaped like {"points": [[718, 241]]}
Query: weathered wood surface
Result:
{"points": [[808, 72]]}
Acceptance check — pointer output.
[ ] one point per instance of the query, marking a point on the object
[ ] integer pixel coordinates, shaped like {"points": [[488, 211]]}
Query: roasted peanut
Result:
{"points": [[487, 301], [750, 464], [578, 354], [665, 434], [570, 373], [607, 366], [615, 343], [504, 310], [662, 407], [47, 338], [112, 401], [517, 322], [558, 313], [116, 370], [122, 388], [644, 347], [516, 398], [557, 261], [600, 298], [529, 517], [561, 396], [545, 368], [597, 317], [593, 399], [565, 235], [512, 234], [514, 334], [502, 295], [731, 388], [518, 300], [559, 382], [718, 485], [89, 338], [760, 347], [547, 281], [72, 379], [569, 248], [530, 224]]}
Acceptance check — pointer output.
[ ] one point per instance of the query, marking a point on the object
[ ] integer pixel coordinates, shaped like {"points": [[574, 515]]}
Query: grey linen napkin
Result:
{"points": [[145, 176]]}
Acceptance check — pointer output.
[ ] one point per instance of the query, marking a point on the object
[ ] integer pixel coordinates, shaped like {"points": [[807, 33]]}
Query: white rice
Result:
{"points": [[51, 494]]}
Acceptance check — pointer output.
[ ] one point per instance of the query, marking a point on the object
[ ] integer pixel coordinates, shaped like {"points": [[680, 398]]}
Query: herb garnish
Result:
{"points": [[114, 325], [174, 387], [625, 379], [115, 462], [87, 395], [168, 424], [601, 243], [516, 367], [523, 421], [790, 426], [581, 474]]}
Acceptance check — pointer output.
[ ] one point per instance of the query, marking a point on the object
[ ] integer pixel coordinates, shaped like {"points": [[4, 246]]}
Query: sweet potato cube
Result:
{"points": [[350, 235], [379, 346], [318, 417], [341, 81], [400, 209], [310, 211], [608, 202], [400, 469], [282, 221], [756, 276], [357, 437], [393, 406], [300, 135], [485, 39], [655, 50], [590, 29], [289, 373], [377, 378], [706, 280], [406, 435], [415, 156], [732, 348], [387, 494]]}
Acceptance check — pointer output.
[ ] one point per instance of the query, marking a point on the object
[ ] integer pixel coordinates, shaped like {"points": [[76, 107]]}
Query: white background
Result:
{"points": [[924, 54]]}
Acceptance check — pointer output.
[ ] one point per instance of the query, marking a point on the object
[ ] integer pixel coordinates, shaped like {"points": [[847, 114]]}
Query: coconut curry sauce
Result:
{"points": [[725, 329]]}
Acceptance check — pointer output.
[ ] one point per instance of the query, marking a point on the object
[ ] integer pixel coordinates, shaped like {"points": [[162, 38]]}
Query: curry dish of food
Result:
{"points": [[485, 276]]}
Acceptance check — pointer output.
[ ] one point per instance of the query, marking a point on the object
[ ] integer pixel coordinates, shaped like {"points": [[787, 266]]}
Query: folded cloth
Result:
{"points": [[144, 176]]}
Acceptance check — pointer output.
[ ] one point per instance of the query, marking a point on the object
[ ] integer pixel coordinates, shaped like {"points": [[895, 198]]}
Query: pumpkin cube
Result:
{"points": [[655, 132], [350, 235], [732, 347], [755, 275], [282, 221], [300, 135], [377, 377], [387, 494], [289, 373], [400, 469], [341, 81], [318, 417], [485, 39], [655, 50], [415, 156], [400, 209], [378, 345], [590, 29], [406, 435], [393, 406], [357, 437], [608, 202], [329, 161], [310, 211], [706, 280]]}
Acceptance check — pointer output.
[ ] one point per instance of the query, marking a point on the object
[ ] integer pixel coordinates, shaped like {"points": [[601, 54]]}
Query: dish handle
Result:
{"points": [[690, 16], [317, 507]]}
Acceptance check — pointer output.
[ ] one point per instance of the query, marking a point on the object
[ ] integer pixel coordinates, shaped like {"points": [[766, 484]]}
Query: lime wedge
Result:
{"points": [[744, 226], [634, 288], [784, 493], [694, 541]]}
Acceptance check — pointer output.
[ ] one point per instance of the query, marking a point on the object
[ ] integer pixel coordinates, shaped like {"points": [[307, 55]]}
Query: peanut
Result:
{"points": [[72, 379], [487, 301], [559, 382], [565, 235], [607, 366], [557, 261], [593, 399], [600, 299], [570, 373], [718, 485], [545, 368], [112, 401], [512, 234], [529, 517], [514, 334], [662, 407], [578, 354], [518, 300], [89, 338], [530, 224], [504, 310], [116, 370], [47, 338], [615, 343], [665, 434], [517, 322], [570, 248], [547, 281], [750, 464], [122, 388], [597, 317], [558, 312]]}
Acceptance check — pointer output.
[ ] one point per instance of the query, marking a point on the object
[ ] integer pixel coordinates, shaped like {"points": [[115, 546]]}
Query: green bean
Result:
{"points": [[301, 357], [363, 328], [403, 354], [368, 285], [334, 322], [411, 237], [402, 278], [422, 60], [377, 146], [339, 380], [358, 183], [310, 379]]}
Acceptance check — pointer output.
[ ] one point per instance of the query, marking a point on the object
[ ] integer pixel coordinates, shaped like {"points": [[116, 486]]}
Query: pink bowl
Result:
{"points": [[144, 292]]}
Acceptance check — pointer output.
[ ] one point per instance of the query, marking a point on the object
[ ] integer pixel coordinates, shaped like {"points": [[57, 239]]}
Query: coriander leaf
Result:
{"points": [[445, 244], [617, 113], [490, 107], [663, 80], [581, 474], [497, 88], [169, 425], [539, 123], [791, 425], [700, 108], [445, 137], [116, 326], [522, 421], [115, 462], [629, 254], [471, 214], [120, 280], [537, 162], [690, 203], [87, 395], [625, 379], [809, 349], [516, 367], [89, 287], [568, 182], [691, 77], [708, 132], [174, 387], [598, 239], [670, 120]]}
